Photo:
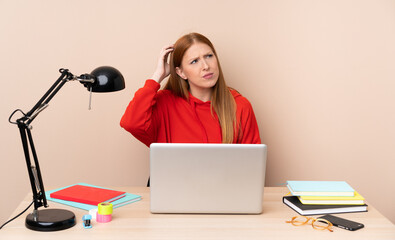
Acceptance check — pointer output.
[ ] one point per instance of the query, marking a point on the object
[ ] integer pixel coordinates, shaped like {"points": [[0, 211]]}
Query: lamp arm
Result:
{"points": [[64, 77], [36, 182], [23, 123]]}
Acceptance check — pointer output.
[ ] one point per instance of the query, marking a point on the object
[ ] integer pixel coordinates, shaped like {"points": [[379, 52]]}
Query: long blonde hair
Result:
{"points": [[222, 100]]}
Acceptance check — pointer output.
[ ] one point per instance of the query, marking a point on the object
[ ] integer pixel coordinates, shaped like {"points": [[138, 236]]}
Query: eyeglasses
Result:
{"points": [[317, 223]]}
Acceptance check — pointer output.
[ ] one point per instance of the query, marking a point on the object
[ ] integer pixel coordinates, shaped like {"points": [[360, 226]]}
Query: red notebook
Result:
{"points": [[86, 194]]}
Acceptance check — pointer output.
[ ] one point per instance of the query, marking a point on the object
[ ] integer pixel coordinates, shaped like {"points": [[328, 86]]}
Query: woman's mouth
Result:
{"points": [[208, 75]]}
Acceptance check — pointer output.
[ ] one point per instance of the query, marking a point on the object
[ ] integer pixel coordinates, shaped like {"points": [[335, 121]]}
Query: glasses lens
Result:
{"points": [[300, 220], [320, 224]]}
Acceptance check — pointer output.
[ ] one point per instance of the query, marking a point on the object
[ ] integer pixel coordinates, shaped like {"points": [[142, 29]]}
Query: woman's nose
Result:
{"points": [[205, 65]]}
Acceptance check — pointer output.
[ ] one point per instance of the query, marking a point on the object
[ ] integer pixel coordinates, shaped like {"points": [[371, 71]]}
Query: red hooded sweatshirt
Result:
{"points": [[160, 116]]}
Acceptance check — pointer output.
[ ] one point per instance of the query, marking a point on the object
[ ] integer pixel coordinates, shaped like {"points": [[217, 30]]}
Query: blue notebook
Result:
{"points": [[129, 198], [320, 188]]}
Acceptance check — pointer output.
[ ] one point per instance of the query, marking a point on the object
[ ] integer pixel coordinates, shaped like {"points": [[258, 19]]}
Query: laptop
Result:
{"points": [[207, 178]]}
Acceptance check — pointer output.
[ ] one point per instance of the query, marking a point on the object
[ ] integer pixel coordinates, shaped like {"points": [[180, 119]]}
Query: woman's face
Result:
{"points": [[200, 67]]}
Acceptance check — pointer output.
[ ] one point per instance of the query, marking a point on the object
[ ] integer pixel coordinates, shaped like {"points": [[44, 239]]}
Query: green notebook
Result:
{"points": [[320, 188]]}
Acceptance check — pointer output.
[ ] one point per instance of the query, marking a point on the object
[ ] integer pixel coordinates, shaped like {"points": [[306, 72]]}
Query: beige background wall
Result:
{"points": [[319, 74]]}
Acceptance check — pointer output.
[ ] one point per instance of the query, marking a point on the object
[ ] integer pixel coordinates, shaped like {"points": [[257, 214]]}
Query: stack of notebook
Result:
{"points": [[86, 196], [323, 197]]}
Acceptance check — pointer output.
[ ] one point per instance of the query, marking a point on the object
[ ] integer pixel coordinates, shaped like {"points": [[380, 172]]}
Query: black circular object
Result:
{"points": [[50, 220]]}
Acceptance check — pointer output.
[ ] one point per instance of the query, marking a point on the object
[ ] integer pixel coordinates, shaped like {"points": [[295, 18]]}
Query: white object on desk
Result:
{"points": [[93, 213]]}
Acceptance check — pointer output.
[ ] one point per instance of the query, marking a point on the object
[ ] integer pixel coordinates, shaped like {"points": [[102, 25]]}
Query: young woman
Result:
{"points": [[195, 106]]}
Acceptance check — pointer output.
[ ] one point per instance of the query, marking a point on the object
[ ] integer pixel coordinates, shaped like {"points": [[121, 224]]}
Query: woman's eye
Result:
{"points": [[209, 55], [194, 61]]}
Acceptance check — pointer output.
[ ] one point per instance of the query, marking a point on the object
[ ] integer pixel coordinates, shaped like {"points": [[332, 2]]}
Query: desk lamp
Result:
{"points": [[102, 79]]}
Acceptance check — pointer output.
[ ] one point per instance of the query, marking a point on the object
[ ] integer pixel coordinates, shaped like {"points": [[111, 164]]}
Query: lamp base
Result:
{"points": [[50, 220]]}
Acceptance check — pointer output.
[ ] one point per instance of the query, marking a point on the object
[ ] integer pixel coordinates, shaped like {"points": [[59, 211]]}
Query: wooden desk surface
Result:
{"points": [[134, 221]]}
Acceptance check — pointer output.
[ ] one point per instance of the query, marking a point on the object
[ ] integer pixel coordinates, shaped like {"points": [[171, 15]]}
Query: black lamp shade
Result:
{"points": [[107, 79]]}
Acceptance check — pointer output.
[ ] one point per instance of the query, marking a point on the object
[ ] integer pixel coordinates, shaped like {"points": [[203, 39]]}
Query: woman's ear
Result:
{"points": [[180, 73]]}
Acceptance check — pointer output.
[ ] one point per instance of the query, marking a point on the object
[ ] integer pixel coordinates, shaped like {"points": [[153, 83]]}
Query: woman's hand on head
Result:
{"points": [[163, 67]]}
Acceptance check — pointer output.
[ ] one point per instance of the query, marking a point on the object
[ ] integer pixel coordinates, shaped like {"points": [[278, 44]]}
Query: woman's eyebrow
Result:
{"points": [[193, 58]]}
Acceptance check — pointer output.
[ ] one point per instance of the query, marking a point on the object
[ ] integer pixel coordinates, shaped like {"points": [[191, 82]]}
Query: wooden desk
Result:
{"points": [[134, 221]]}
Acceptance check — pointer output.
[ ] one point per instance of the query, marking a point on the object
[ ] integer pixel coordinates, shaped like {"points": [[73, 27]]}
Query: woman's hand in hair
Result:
{"points": [[163, 68]]}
